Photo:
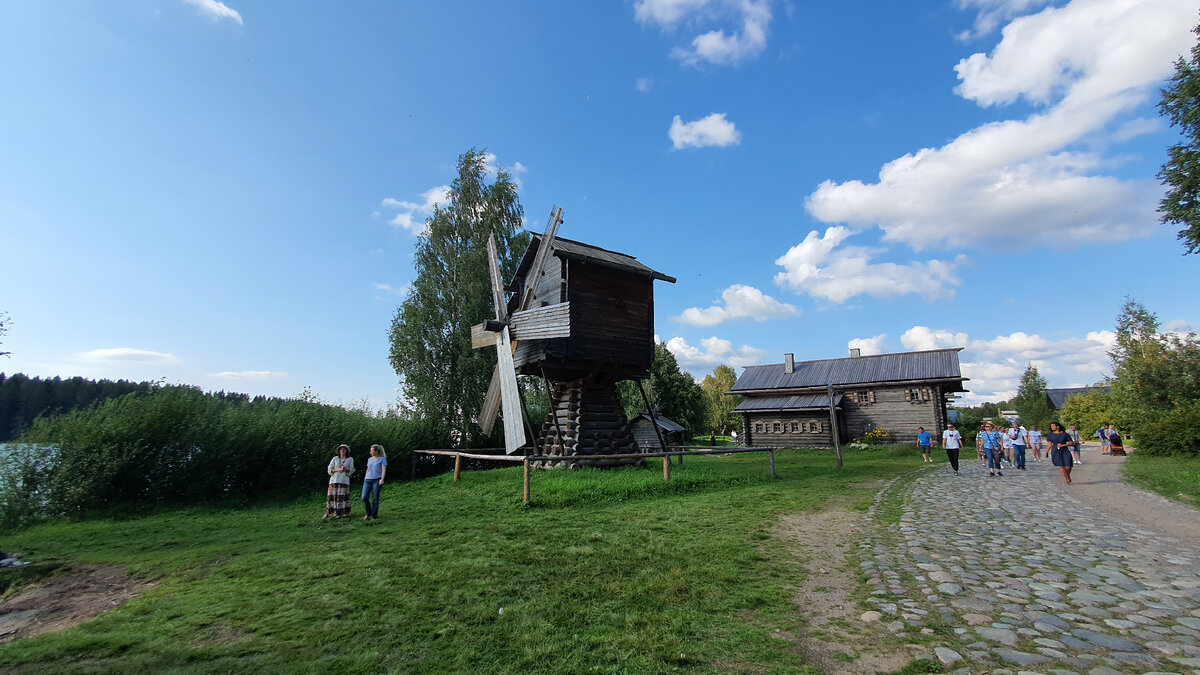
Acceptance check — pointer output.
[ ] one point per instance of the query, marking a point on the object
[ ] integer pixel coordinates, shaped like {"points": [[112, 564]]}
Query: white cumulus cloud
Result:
{"points": [[411, 215], [747, 21], [215, 10], [817, 266], [869, 346], [712, 352], [923, 338], [1085, 67], [738, 302], [643, 84], [127, 355], [713, 130]]}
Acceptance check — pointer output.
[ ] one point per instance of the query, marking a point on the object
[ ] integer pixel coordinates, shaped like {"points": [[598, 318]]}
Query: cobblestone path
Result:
{"points": [[1014, 572]]}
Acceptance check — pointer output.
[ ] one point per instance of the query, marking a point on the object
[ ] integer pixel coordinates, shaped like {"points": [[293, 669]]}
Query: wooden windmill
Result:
{"points": [[582, 318]]}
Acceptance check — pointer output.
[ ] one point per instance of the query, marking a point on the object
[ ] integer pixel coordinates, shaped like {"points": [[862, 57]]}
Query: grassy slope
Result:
{"points": [[606, 571], [1175, 478]]}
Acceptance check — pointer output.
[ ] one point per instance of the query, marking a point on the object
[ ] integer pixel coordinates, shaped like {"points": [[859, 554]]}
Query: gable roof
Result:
{"points": [[936, 364], [1059, 396], [664, 423], [576, 250]]}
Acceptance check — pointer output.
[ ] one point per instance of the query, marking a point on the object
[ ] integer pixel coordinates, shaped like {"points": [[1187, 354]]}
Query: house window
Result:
{"points": [[864, 397], [914, 395], [777, 429], [795, 427], [814, 428], [758, 427]]}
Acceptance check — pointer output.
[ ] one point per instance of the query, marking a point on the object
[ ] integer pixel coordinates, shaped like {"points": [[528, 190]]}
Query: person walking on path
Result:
{"points": [[1077, 443], [924, 440], [1006, 442], [1102, 434], [952, 442], [1116, 446], [979, 444], [1060, 450], [993, 448], [1035, 442], [1020, 439], [337, 499], [376, 470]]}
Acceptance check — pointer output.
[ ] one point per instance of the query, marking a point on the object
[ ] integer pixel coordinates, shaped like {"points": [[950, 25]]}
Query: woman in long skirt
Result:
{"points": [[337, 499]]}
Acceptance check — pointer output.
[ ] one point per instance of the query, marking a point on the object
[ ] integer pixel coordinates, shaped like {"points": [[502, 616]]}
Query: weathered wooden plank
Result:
{"points": [[491, 403], [497, 282], [481, 337], [514, 430]]}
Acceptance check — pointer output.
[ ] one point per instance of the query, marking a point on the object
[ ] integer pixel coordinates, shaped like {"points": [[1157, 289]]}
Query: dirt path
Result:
{"points": [[1099, 484], [65, 600]]}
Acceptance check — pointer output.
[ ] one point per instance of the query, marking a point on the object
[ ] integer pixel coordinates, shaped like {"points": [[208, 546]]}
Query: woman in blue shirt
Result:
{"points": [[376, 470], [993, 448]]}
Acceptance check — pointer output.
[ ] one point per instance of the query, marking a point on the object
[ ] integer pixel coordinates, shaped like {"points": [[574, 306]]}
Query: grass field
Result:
{"points": [[1175, 478], [606, 571]]}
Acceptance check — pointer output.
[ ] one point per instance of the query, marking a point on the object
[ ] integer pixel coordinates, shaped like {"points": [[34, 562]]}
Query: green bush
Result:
{"points": [[177, 445], [1175, 433], [24, 483]]}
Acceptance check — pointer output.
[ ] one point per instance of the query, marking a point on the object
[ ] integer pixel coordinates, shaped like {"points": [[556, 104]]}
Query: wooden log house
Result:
{"points": [[788, 404]]}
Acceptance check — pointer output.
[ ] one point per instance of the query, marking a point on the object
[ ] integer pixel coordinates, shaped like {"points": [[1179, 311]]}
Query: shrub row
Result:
{"points": [[177, 445]]}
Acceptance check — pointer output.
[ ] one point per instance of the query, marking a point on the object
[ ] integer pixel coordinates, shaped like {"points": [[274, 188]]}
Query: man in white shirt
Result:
{"points": [[952, 442], [1020, 439]]}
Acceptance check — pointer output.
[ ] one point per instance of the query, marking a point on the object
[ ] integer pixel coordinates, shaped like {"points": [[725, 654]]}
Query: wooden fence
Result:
{"points": [[528, 460]]}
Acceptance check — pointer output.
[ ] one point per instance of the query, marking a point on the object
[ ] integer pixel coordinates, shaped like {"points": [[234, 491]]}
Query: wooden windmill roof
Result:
{"points": [[937, 364], [663, 423], [575, 250]]}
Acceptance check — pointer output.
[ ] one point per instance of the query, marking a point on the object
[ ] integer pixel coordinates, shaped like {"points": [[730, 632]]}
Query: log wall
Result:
{"points": [[592, 423], [896, 410]]}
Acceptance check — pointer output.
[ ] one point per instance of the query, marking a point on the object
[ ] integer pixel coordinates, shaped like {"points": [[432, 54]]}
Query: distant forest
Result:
{"points": [[23, 399]]}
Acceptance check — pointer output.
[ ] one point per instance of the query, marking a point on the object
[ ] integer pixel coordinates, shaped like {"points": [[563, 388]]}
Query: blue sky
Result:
{"points": [[227, 195]]}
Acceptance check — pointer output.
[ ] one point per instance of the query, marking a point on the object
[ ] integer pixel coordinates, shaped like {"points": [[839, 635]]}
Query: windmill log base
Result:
{"points": [[588, 413]]}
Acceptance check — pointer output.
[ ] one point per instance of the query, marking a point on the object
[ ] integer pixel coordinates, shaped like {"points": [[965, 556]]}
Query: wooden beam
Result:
{"points": [[833, 427], [491, 401], [539, 258]]}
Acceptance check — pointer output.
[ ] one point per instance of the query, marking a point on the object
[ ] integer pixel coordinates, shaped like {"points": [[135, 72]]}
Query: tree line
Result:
{"points": [[23, 399]]}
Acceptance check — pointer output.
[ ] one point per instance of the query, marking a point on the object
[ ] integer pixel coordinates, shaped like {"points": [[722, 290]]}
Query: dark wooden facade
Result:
{"points": [[896, 393], [647, 440], [612, 313]]}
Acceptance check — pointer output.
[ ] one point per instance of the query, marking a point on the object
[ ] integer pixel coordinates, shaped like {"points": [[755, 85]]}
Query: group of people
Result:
{"points": [[1110, 440], [995, 444], [341, 468]]}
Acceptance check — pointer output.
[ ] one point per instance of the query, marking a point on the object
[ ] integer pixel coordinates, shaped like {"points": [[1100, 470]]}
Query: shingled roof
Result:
{"points": [[575, 250], [934, 365], [1059, 396]]}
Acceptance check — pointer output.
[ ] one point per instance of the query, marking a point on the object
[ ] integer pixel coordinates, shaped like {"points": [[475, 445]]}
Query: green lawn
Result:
{"points": [[607, 571], [1175, 478]]}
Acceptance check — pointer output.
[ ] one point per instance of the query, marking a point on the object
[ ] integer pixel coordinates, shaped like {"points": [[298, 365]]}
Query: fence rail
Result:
{"points": [[528, 460]]}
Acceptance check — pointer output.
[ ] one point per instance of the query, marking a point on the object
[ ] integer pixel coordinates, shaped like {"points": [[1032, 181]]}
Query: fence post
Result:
{"points": [[666, 467], [771, 452], [457, 467], [525, 498]]}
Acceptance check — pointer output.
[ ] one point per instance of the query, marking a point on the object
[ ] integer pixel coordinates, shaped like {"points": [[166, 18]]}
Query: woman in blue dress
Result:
{"points": [[1060, 450]]}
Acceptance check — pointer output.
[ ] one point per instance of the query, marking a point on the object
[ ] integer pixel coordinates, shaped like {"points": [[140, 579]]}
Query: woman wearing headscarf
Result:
{"points": [[337, 498]]}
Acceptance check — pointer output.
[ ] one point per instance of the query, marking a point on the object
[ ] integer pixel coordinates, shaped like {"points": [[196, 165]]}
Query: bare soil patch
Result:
{"points": [[65, 600], [836, 640], [1098, 481]]}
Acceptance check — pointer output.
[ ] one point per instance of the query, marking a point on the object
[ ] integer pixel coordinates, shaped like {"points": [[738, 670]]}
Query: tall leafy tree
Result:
{"points": [[1032, 403], [1155, 373], [1181, 172], [430, 341], [720, 405]]}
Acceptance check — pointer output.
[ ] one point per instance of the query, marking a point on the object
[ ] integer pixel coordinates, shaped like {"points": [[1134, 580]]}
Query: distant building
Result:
{"points": [[1059, 396], [788, 404], [647, 440]]}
